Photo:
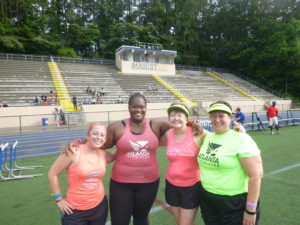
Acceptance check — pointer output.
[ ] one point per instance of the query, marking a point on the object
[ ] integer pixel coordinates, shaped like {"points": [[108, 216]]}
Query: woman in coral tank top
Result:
{"points": [[85, 201], [182, 190]]}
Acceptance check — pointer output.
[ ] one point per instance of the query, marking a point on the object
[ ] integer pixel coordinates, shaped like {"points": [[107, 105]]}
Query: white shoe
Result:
{"points": [[277, 132], [272, 132]]}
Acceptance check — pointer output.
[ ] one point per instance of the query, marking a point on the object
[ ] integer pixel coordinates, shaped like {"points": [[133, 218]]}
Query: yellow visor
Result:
{"points": [[180, 108], [219, 107]]}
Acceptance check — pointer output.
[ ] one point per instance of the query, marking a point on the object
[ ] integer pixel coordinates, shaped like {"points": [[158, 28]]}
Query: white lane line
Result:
{"points": [[284, 169]]}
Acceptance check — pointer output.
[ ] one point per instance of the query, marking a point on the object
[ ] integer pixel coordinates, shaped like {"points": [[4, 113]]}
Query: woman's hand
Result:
{"points": [[72, 147], [65, 207], [249, 219], [197, 128], [239, 127]]}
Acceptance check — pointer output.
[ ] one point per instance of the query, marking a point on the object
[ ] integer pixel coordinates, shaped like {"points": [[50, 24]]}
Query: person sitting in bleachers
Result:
{"points": [[52, 97], [150, 87], [102, 92], [99, 100], [46, 103], [1, 103], [120, 100], [44, 98], [36, 100], [94, 101], [86, 101], [88, 90]]}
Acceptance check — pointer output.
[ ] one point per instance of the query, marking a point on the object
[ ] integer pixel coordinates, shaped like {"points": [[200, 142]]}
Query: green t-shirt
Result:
{"points": [[220, 169]]}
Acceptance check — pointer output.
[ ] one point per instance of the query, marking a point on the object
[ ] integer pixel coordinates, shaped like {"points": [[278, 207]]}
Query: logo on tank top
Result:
{"points": [[139, 150], [210, 156], [185, 151], [91, 181]]}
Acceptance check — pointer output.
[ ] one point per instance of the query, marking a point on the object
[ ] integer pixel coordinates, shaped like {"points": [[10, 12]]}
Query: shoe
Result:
{"points": [[272, 133], [277, 132]]}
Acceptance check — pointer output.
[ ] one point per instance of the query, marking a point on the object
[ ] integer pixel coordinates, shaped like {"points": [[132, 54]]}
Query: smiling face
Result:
{"points": [[96, 137], [137, 109], [177, 119], [220, 121]]}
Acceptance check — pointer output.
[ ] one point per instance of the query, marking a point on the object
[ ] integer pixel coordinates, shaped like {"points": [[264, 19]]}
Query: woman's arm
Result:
{"points": [[58, 167], [110, 156], [200, 138], [254, 169], [163, 139]]}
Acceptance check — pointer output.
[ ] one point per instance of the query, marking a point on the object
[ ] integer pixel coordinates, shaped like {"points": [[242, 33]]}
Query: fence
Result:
{"points": [[79, 120]]}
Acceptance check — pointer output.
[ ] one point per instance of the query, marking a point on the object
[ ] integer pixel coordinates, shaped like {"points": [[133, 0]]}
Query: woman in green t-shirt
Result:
{"points": [[231, 172]]}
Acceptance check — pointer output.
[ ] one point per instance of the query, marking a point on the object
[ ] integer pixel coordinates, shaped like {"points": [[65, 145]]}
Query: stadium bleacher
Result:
{"points": [[22, 80]]}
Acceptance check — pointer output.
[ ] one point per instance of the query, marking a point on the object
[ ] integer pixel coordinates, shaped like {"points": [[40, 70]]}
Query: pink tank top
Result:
{"points": [[86, 189], [183, 169], [136, 156]]}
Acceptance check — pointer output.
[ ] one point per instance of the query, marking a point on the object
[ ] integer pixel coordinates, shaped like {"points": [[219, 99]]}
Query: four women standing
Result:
{"points": [[229, 161]]}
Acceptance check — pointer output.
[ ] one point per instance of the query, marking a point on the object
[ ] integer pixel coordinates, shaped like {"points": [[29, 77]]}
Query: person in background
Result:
{"points": [[85, 202], [36, 100], [231, 172], [120, 100], [74, 101], [272, 115], [62, 117], [88, 90], [52, 97], [239, 116], [44, 98], [56, 116]]}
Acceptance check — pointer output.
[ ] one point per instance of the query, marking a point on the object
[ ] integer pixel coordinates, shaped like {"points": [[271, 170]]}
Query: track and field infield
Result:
{"points": [[28, 201]]}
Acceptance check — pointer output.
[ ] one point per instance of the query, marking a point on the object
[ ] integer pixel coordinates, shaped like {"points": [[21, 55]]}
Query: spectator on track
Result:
{"points": [[272, 115], [74, 101], [56, 116], [239, 116]]}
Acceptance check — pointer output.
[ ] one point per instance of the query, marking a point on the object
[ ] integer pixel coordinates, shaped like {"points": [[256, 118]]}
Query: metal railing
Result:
{"points": [[44, 58]]}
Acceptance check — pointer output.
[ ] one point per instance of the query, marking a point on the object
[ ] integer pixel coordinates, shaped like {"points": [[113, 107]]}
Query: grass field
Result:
{"points": [[28, 201]]}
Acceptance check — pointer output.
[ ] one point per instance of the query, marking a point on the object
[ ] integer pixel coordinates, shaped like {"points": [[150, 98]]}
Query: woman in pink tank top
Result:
{"points": [[182, 190], [135, 174], [85, 200]]}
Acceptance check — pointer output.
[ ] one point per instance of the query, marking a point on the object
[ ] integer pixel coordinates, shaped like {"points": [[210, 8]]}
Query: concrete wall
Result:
{"points": [[32, 116], [11, 117]]}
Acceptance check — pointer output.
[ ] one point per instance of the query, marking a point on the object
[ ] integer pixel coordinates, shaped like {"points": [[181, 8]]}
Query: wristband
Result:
{"points": [[57, 196], [251, 204], [58, 200], [250, 212]]}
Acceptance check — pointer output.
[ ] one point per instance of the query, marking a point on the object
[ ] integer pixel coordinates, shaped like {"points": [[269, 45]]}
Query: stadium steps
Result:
{"points": [[173, 90], [132, 83], [234, 87], [61, 89]]}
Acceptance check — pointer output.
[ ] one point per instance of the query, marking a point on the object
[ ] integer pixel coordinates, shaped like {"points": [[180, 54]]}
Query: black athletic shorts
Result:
{"points": [[94, 216], [184, 197], [223, 209]]}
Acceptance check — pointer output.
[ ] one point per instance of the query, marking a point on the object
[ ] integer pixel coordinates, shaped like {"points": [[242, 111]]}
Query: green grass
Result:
{"points": [[28, 201]]}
